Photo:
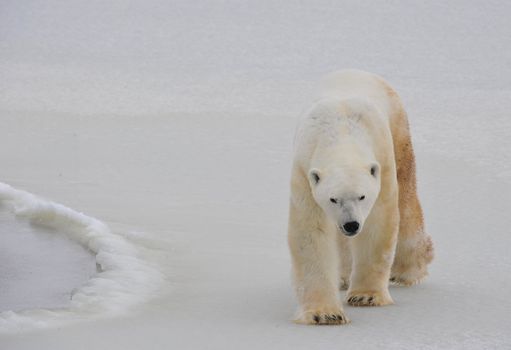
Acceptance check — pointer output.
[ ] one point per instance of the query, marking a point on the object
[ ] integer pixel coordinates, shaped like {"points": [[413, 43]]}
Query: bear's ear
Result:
{"points": [[375, 169], [314, 176]]}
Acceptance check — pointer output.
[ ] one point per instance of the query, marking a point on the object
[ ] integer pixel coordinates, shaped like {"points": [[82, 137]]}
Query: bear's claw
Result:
{"points": [[361, 301], [368, 299], [406, 282], [323, 318], [330, 319]]}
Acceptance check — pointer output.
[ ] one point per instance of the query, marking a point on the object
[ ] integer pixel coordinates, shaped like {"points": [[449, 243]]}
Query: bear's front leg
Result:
{"points": [[373, 253], [315, 269]]}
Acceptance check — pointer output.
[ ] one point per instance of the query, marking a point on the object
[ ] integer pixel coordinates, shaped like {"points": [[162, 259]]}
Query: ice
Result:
{"points": [[172, 123], [39, 267]]}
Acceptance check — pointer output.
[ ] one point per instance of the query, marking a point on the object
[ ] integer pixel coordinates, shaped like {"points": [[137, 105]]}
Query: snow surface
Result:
{"points": [[172, 123]]}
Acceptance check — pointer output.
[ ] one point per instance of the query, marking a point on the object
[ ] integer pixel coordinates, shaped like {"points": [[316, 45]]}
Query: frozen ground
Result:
{"points": [[173, 123]]}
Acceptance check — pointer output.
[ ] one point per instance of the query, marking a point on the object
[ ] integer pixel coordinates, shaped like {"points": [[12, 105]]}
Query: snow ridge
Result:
{"points": [[123, 279]]}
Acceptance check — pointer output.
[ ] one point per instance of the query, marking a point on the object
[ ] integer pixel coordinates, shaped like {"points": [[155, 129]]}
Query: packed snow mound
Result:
{"points": [[124, 278]]}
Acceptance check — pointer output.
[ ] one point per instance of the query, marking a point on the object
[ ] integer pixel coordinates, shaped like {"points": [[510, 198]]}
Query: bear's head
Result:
{"points": [[346, 194]]}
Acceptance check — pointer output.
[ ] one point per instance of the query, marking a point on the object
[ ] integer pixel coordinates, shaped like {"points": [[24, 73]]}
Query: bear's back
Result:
{"points": [[351, 102], [351, 83], [333, 120]]}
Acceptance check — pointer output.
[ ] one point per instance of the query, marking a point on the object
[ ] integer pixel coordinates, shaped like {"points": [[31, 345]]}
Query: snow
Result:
{"points": [[121, 280], [172, 124]]}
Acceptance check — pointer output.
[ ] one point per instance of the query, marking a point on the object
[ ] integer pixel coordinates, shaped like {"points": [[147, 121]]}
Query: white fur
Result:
{"points": [[343, 136]]}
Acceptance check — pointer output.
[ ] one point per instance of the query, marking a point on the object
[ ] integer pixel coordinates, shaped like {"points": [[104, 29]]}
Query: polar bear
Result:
{"points": [[355, 221]]}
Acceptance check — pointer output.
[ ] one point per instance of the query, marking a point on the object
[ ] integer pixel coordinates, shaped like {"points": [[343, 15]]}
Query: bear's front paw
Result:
{"points": [[359, 298], [323, 316]]}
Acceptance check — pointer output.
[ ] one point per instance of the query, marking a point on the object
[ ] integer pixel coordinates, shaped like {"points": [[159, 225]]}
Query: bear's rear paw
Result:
{"points": [[406, 281], [411, 263], [413, 275], [323, 316], [357, 298]]}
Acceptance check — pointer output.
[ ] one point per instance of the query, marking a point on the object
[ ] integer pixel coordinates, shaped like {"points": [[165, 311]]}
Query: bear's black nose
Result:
{"points": [[351, 227]]}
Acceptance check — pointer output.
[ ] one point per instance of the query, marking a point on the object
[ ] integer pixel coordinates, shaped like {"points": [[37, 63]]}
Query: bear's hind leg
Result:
{"points": [[412, 258], [414, 250]]}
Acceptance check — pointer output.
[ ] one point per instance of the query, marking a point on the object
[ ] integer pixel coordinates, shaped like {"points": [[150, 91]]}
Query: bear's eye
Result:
{"points": [[333, 200], [361, 198]]}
